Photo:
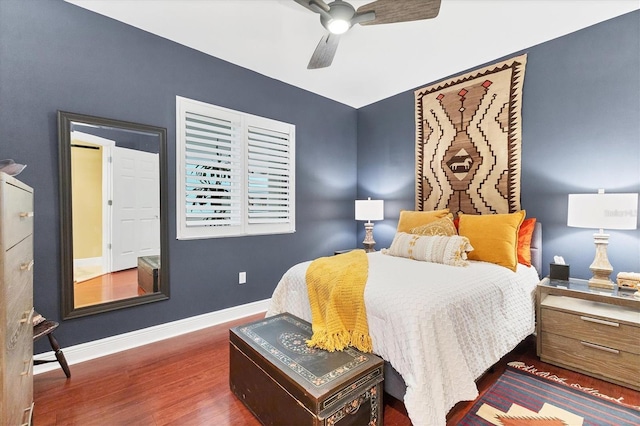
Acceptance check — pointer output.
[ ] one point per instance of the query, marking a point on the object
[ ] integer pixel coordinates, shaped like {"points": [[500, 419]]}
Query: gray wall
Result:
{"points": [[56, 56], [581, 132]]}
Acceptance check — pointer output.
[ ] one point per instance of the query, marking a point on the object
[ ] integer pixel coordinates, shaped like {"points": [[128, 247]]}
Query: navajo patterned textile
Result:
{"points": [[468, 141], [525, 396]]}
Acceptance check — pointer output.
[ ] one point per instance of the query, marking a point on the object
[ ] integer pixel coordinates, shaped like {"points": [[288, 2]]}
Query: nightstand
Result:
{"points": [[592, 331], [342, 251]]}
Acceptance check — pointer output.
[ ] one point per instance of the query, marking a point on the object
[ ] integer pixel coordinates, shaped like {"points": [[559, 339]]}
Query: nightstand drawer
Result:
{"points": [[596, 360], [600, 331]]}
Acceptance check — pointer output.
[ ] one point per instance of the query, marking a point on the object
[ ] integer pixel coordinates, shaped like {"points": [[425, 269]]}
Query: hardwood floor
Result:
{"points": [[185, 381]]}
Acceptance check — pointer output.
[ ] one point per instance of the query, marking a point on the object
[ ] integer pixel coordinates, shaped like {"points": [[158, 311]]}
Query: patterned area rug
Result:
{"points": [[468, 137], [524, 396]]}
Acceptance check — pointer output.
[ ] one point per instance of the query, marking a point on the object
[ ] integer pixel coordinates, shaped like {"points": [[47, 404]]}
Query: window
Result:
{"points": [[235, 172]]}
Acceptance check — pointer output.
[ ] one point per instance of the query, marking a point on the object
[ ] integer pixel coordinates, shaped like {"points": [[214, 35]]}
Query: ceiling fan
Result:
{"points": [[339, 16]]}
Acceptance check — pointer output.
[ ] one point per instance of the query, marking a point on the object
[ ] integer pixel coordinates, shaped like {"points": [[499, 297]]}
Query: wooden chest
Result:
{"points": [[148, 277], [284, 382]]}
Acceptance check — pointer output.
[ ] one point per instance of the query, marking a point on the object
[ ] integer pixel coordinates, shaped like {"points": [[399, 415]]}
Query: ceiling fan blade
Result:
{"points": [[390, 11], [325, 51], [313, 5]]}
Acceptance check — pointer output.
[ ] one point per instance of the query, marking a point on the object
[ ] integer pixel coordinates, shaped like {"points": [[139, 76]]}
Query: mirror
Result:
{"points": [[113, 201]]}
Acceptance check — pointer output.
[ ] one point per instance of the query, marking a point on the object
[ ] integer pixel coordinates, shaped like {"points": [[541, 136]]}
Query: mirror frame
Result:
{"points": [[66, 220]]}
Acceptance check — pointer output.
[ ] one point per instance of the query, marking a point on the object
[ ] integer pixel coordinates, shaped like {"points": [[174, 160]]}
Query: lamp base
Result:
{"points": [[601, 268], [600, 283], [368, 242]]}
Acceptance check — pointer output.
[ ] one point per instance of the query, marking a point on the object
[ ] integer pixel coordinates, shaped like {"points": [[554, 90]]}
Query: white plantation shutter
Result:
{"points": [[212, 171], [269, 177], [235, 173]]}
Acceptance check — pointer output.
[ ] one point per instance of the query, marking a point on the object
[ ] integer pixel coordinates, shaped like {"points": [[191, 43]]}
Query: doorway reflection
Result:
{"points": [[116, 211]]}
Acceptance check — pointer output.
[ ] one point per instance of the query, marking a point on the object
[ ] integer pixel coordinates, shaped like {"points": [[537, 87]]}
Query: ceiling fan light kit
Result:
{"points": [[338, 26], [338, 19], [339, 16]]}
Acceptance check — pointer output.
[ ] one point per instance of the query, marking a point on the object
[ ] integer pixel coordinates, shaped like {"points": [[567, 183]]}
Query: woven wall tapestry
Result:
{"points": [[468, 137]]}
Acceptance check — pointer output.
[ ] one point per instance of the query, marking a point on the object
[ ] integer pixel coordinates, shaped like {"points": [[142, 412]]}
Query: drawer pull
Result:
{"points": [[27, 368], [27, 316], [599, 321], [26, 214], [26, 266], [602, 348], [27, 414]]}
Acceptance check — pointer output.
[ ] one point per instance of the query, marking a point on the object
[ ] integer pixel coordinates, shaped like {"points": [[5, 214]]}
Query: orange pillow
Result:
{"points": [[410, 219], [524, 241]]}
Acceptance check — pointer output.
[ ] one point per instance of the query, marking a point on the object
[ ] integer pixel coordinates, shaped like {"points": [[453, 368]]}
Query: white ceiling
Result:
{"points": [[277, 37]]}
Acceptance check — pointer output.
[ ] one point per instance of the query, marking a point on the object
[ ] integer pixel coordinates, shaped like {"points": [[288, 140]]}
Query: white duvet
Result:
{"points": [[439, 326]]}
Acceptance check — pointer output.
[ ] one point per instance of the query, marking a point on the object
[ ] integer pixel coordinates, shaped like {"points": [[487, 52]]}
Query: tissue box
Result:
{"points": [[559, 272]]}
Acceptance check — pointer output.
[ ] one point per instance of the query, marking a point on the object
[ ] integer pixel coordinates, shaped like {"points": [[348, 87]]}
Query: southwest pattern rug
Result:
{"points": [[524, 396], [468, 141]]}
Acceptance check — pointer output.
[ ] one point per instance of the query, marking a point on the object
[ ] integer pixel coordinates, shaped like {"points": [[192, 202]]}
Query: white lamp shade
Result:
{"points": [[603, 211], [369, 209]]}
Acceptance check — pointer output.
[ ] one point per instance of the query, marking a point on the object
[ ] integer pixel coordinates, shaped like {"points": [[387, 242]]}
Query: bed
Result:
{"points": [[437, 329]]}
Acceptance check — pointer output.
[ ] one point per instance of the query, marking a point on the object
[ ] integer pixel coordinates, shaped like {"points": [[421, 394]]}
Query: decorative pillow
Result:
{"points": [[524, 241], [444, 227], [411, 219], [494, 237], [436, 249]]}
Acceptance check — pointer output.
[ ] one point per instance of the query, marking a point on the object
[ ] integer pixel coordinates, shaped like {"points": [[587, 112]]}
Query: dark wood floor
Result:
{"points": [[185, 381]]}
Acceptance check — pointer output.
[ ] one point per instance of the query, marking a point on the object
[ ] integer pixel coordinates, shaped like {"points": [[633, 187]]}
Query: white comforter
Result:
{"points": [[439, 326]]}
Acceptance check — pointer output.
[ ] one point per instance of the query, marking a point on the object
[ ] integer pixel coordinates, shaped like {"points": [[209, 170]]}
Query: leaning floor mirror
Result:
{"points": [[113, 201]]}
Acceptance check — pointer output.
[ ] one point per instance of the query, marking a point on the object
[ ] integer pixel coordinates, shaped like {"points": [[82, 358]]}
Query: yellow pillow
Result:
{"points": [[494, 237], [410, 219], [444, 227]]}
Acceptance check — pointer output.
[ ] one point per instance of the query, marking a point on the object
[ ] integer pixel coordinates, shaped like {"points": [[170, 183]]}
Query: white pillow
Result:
{"points": [[448, 250]]}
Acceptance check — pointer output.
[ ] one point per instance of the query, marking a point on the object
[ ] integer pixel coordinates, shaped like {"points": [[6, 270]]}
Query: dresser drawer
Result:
{"points": [[18, 268], [19, 322], [19, 378], [591, 359], [593, 329], [20, 311], [17, 215], [19, 371]]}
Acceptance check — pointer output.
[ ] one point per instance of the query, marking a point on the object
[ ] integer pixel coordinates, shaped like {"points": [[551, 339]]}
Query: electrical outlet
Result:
{"points": [[242, 277]]}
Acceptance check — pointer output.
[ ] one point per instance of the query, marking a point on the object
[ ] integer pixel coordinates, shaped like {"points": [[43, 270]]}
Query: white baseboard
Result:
{"points": [[110, 345]]}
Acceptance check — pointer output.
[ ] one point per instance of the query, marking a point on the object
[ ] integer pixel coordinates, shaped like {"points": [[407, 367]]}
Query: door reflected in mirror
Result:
{"points": [[114, 232]]}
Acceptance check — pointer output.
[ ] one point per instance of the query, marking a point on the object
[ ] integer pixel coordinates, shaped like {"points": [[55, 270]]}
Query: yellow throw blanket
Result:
{"points": [[336, 293]]}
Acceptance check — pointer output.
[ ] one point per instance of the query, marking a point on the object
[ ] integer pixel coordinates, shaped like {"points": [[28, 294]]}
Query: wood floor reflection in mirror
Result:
{"points": [[107, 287]]}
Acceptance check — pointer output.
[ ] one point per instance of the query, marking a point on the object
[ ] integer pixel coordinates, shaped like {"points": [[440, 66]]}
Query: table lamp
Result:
{"points": [[602, 211], [369, 210]]}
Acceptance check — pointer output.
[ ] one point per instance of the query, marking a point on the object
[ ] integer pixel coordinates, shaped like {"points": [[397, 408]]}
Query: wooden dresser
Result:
{"points": [[592, 331], [16, 301]]}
